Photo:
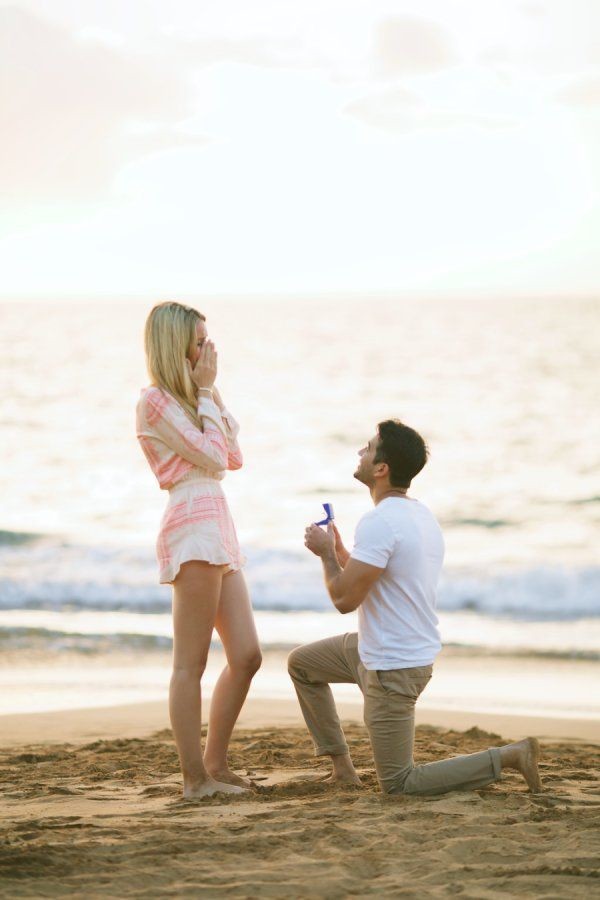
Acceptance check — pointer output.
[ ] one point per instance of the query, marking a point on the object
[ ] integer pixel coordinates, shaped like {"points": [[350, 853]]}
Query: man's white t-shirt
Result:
{"points": [[397, 622]]}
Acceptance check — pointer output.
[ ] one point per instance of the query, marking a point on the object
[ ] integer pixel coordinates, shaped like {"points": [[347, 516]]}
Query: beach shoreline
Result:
{"points": [[558, 690], [138, 720]]}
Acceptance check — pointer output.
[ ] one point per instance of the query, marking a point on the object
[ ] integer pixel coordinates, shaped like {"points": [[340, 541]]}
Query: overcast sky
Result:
{"points": [[180, 148]]}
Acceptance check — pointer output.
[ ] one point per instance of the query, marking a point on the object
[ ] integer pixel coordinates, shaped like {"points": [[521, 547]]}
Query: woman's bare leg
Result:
{"points": [[235, 624], [196, 592]]}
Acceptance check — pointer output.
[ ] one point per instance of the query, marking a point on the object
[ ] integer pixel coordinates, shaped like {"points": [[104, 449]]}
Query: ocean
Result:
{"points": [[505, 392]]}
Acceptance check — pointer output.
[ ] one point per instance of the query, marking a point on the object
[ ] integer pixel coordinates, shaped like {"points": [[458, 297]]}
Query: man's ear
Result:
{"points": [[381, 470]]}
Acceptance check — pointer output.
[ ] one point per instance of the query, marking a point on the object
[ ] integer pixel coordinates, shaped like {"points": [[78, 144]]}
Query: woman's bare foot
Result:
{"points": [[192, 790], [523, 756], [226, 776]]}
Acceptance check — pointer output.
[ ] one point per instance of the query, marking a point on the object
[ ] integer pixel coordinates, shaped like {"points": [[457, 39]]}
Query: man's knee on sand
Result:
{"points": [[394, 785]]}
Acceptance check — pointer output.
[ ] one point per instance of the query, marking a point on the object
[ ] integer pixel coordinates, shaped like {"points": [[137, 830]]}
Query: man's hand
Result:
{"points": [[340, 551], [320, 542], [347, 586]]}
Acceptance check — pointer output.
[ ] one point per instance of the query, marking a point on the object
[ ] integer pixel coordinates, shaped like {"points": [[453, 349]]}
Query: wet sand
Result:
{"points": [[96, 811]]}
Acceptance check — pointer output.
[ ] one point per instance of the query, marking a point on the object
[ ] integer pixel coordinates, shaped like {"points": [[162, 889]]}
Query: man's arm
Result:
{"points": [[349, 586]]}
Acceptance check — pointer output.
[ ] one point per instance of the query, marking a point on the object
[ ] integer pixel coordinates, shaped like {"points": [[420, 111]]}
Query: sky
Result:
{"points": [[238, 147]]}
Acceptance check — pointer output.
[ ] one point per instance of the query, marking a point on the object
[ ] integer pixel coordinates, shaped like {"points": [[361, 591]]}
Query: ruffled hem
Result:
{"points": [[216, 556]]}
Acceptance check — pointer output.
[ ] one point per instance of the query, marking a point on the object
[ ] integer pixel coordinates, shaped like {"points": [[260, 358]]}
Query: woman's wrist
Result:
{"points": [[217, 398], [206, 390]]}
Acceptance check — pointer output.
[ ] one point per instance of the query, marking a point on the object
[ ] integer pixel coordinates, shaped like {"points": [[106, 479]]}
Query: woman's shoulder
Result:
{"points": [[153, 400], [150, 395], [151, 391]]}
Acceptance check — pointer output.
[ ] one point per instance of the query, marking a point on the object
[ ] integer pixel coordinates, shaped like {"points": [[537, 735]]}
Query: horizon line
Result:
{"points": [[341, 294]]}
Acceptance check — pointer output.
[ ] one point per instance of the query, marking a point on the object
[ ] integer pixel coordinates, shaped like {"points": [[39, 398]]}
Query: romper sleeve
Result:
{"points": [[234, 454], [207, 449]]}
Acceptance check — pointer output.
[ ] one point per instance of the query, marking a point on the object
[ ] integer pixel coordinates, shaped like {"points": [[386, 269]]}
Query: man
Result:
{"points": [[391, 578]]}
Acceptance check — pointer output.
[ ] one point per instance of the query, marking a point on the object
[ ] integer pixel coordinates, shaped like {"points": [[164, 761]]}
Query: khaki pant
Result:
{"points": [[390, 698]]}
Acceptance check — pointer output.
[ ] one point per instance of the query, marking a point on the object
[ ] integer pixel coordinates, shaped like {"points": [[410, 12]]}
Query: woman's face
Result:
{"points": [[201, 335]]}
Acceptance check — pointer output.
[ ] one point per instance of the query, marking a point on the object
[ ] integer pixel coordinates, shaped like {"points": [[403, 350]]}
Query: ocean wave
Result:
{"points": [[542, 593], [48, 640], [14, 538], [477, 523], [54, 576], [52, 640]]}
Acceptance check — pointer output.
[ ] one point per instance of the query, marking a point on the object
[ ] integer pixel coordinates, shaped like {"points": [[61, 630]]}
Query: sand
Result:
{"points": [[94, 810]]}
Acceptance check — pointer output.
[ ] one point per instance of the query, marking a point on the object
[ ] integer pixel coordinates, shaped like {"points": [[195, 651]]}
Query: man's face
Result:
{"points": [[364, 472]]}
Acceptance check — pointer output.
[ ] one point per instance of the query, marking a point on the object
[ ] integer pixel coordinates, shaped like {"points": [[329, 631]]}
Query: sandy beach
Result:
{"points": [[91, 807]]}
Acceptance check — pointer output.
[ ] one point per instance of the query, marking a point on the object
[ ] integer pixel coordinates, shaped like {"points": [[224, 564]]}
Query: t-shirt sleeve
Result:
{"points": [[373, 541]]}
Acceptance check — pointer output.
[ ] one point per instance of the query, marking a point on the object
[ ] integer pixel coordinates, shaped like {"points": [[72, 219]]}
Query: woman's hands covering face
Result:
{"points": [[204, 373]]}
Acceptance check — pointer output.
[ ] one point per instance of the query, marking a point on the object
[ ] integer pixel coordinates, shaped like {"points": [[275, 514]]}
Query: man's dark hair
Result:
{"points": [[403, 449]]}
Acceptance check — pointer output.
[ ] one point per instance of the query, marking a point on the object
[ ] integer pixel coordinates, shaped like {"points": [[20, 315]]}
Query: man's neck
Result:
{"points": [[383, 491]]}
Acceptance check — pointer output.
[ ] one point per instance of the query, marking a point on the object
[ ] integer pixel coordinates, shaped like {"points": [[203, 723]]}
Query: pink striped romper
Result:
{"points": [[190, 463]]}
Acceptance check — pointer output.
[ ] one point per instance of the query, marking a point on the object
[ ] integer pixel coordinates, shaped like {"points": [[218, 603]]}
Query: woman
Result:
{"points": [[189, 439]]}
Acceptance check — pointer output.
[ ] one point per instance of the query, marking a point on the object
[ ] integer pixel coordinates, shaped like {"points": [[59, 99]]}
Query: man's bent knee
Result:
{"points": [[295, 661], [395, 784]]}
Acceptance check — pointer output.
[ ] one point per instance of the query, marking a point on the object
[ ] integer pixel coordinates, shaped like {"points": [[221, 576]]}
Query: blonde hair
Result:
{"points": [[168, 338]]}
